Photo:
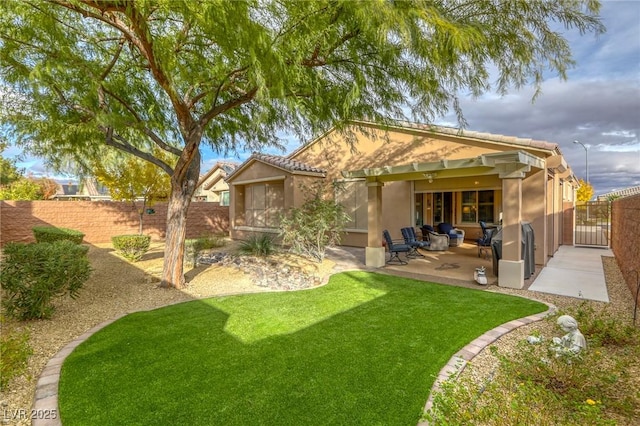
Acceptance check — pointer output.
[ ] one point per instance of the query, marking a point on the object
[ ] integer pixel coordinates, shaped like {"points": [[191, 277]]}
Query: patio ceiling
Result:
{"points": [[510, 164]]}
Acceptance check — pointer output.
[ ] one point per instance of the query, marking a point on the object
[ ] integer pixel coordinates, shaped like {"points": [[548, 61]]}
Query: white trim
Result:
{"points": [[356, 231], [259, 180]]}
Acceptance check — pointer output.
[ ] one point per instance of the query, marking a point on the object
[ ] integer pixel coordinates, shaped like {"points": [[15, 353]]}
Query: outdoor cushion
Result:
{"points": [[456, 236]]}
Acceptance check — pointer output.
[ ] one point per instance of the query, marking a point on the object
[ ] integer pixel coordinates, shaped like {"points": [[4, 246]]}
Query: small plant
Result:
{"points": [[14, 353], [131, 247], [257, 245], [34, 274], [49, 234], [317, 224], [194, 247], [601, 328]]}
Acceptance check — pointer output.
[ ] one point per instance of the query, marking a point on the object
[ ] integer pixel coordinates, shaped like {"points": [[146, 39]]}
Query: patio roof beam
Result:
{"points": [[507, 164]]}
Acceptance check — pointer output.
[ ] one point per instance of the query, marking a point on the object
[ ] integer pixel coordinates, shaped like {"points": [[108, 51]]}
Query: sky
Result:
{"points": [[599, 106]]}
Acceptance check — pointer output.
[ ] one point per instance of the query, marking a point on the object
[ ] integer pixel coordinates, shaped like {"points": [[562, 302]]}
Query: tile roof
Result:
{"points": [[286, 163], [491, 137], [225, 166], [280, 162]]}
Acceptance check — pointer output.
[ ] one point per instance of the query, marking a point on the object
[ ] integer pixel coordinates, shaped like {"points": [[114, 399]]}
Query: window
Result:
{"points": [[224, 198], [263, 204], [352, 195], [477, 206]]}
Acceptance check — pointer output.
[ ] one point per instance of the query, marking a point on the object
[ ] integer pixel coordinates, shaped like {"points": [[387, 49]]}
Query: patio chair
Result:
{"points": [[456, 236], [437, 242], [395, 248], [484, 242], [410, 238], [425, 231]]}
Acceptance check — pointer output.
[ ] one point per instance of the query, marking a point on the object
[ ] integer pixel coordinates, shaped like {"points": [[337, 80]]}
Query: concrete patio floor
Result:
{"points": [[572, 271], [453, 266]]}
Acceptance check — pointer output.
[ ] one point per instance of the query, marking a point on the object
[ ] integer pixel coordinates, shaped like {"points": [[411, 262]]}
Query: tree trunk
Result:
{"points": [[179, 201], [141, 213]]}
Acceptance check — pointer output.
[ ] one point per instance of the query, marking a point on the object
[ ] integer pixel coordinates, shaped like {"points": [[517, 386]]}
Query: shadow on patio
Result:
{"points": [[453, 266]]}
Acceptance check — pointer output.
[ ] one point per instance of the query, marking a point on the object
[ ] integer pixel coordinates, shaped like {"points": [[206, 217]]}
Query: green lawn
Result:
{"points": [[364, 349]]}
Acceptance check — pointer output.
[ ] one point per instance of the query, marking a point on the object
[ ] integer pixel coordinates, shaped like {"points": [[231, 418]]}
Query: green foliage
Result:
{"points": [[9, 172], [194, 247], [131, 247], [135, 75], [317, 224], [22, 190], [49, 234], [34, 274], [534, 386], [257, 245], [14, 353], [604, 329]]}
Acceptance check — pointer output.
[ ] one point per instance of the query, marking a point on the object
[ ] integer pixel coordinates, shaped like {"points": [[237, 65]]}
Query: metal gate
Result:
{"points": [[593, 223]]}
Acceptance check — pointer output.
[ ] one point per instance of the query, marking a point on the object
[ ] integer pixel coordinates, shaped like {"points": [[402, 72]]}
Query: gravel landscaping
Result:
{"points": [[118, 287]]}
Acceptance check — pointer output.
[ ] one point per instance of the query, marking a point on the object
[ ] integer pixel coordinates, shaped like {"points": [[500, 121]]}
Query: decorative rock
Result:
{"points": [[266, 272]]}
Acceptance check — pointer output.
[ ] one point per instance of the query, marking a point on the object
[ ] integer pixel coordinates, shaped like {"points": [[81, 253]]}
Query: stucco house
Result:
{"points": [[212, 186], [407, 174]]}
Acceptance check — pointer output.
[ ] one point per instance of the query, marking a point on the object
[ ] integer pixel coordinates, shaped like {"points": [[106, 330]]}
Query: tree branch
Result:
{"points": [[219, 109], [119, 142], [230, 76], [137, 36], [150, 133]]}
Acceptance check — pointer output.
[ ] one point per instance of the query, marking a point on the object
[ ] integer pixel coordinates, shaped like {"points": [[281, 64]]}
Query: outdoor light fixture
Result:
{"points": [[586, 156], [430, 176]]}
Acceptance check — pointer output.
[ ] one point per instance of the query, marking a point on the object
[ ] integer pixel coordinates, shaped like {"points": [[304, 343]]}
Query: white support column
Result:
{"points": [[375, 252], [511, 265]]}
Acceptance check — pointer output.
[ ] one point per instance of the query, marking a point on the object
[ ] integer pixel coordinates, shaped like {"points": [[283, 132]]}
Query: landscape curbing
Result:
{"points": [[460, 359], [46, 396]]}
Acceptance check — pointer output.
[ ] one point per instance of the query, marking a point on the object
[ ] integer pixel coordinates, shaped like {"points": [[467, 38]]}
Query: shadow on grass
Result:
{"points": [[364, 349]]}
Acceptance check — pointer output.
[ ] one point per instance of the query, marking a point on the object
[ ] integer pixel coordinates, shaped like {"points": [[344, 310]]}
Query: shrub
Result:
{"points": [[257, 245], [14, 353], [49, 234], [131, 247], [34, 274], [193, 247], [313, 227], [602, 328]]}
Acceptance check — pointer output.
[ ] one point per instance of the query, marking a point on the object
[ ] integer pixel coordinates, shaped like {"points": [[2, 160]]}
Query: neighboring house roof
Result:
{"points": [[627, 192], [283, 163], [225, 168], [87, 190]]}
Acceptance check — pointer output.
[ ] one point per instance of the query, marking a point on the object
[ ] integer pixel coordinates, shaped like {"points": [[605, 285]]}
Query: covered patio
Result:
{"points": [[511, 167], [453, 266]]}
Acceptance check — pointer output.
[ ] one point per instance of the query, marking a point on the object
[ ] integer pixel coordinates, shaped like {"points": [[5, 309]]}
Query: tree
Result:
{"points": [[9, 172], [132, 179], [15, 186], [171, 74], [585, 191], [28, 189]]}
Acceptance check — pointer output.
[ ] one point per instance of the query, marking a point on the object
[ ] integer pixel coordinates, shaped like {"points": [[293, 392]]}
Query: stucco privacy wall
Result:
{"points": [[625, 238], [99, 221]]}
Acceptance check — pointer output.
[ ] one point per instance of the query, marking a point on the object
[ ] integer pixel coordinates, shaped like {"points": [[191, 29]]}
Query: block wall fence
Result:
{"points": [[625, 238], [100, 220]]}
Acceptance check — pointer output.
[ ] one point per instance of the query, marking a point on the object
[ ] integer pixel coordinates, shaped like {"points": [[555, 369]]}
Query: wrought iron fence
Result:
{"points": [[593, 223]]}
